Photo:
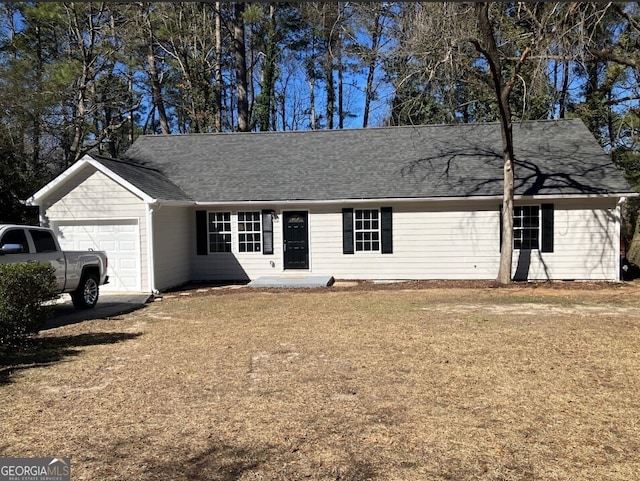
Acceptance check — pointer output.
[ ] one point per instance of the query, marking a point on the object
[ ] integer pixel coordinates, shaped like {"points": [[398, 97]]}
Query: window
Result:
{"points": [[367, 230], [18, 237], [43, 241], [533, 227], [526, 227], [215, 232], [249, 232], [219, 231]]}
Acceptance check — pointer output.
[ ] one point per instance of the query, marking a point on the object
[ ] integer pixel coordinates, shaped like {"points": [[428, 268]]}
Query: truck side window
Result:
{"points": [[43, 241], [16, 236]]}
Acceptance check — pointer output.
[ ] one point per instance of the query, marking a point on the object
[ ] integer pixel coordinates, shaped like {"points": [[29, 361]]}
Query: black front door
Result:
{"points": [[296, 240]]}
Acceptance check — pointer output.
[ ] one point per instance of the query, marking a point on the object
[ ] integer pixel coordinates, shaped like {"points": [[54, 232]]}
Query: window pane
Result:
{"points": [[367, 230], [219, 232], [43, 241], [526, 227], [16, 236], [250, 224]]}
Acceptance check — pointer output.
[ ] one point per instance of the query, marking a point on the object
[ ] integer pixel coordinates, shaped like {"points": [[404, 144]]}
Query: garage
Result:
{"points": [[118, 238]]}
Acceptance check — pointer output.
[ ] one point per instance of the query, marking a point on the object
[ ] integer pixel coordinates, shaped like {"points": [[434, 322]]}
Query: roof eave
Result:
{"points": [[87, 160], [378, 200]]}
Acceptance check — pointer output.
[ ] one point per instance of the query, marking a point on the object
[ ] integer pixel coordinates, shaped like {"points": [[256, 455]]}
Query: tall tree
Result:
{"points": [[504, 37], [240, 52], [146, 27]]}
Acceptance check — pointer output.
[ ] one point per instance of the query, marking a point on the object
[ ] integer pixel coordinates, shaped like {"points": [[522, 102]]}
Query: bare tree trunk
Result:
{"points": [[264, 104], [565, 88], [217, 120], [489, 49], [156, 87], [37, 131], [156, 90], [328, 22], [330, 88], [375, 44], [312, 103], [241, 68], [132, 111], [633, 254]]}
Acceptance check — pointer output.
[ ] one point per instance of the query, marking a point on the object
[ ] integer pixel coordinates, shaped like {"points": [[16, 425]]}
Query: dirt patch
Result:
{"points": [[385, 382]]}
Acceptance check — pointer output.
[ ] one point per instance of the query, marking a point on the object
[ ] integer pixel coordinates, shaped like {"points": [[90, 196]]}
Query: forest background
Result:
{"points": [[80, 77]]}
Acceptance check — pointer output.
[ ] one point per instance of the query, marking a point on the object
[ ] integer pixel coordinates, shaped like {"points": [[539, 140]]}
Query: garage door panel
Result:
{"points": [[128, 264], [127, 246], [109, 246], [119, 239]]}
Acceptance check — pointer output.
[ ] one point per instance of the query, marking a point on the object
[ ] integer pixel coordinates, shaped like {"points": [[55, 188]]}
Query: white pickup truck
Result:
{"points": [[80, 273]]}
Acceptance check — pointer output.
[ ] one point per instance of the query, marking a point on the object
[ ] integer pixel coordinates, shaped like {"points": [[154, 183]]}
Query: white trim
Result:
{"points": [[96, 220], [55, 183], [522, 228], [127, 185], [229, 232], [239, 233], [378, 231], [150, 257], [87, 160], [618, 233], [378, 201]]}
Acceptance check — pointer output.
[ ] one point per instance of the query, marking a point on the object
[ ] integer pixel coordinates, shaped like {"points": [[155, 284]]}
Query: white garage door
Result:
{"points": [[119, 239]]}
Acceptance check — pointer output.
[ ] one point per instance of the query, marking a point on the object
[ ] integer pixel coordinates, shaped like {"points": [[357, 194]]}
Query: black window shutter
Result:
{"points": [[347, 231], [267, 232], [201, 233], [386, 222], [547, 227]]}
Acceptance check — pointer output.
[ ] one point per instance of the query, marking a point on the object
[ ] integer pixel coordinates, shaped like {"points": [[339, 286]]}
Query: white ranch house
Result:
{"points": [[418, 202]]}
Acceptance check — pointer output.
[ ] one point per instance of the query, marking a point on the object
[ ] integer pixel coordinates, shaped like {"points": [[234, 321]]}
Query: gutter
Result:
{"points": [[378, 200]]}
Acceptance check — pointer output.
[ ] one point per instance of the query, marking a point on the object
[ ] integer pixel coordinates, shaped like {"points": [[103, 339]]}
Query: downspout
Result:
{"points": [[618, 230], [150, 256]]}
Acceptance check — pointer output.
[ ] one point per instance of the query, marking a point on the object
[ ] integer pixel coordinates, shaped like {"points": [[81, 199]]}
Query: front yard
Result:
{"points": [[389, 384]]}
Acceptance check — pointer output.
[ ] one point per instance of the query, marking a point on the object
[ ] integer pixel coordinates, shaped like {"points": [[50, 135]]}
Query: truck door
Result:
{"points": [[46, 250]]}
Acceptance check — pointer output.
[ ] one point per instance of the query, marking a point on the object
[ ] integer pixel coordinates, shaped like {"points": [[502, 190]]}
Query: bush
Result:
{"points": [[23, 290]]}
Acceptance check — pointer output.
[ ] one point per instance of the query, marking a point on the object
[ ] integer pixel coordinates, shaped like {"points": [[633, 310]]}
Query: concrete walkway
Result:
{"points": [[109, 305], [292, 281]]}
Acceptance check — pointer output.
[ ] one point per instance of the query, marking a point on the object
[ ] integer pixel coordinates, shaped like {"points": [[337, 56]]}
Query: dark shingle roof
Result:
{"points": [[552, 158], [151, 181]]}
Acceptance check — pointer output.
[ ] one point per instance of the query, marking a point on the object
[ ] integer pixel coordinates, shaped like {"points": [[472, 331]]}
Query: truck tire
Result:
{"points": [[86, 295]]}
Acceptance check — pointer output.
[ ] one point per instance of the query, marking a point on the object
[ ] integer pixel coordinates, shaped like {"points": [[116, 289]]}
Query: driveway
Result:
{"points": [[109, 305]]}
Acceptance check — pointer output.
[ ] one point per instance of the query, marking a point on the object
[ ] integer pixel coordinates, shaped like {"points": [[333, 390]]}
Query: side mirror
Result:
{"points": [[10, 248]]}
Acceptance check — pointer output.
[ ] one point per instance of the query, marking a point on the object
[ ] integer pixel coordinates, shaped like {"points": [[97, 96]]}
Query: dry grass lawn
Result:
{"points": [[389, 384]]}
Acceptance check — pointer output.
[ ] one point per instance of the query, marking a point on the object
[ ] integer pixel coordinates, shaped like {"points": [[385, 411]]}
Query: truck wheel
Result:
{"points": [[86, 295]]}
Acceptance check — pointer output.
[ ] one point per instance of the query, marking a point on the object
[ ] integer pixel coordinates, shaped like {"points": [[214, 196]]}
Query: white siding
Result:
{"points": [[237, 265], [586, 243], [436, 240], [92, 196], [173, 239], [433, 241]]}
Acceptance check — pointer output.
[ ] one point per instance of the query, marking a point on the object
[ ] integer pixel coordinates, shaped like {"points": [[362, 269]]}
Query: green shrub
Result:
{"points": [[23, 290]]}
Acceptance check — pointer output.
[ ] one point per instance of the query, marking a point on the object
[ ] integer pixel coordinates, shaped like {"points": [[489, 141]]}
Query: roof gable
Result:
{"points": [[147, 184], [152, 182]]}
